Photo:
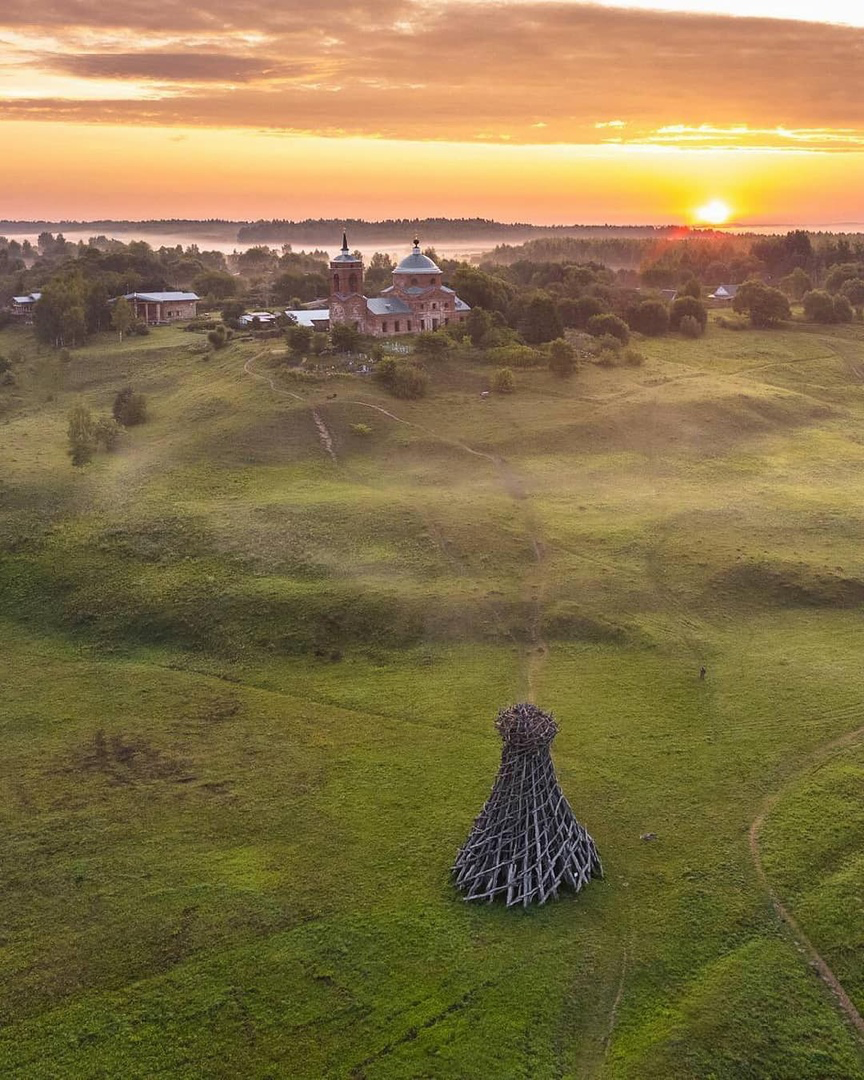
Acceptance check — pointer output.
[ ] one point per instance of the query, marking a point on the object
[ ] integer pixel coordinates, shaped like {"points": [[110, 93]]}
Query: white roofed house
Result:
{"points": [[163, 307], [723, 294], [22, 306]]}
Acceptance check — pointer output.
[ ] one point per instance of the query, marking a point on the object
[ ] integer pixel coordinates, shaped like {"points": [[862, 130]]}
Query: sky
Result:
{"points": [[522, 110]]}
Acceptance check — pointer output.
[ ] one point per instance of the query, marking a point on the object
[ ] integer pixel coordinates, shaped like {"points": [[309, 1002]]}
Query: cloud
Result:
{"points": [[449, 71], [169, 67]]}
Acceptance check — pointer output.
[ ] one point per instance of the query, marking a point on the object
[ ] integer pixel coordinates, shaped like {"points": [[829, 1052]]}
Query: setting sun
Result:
{"points": [[715, 212]]}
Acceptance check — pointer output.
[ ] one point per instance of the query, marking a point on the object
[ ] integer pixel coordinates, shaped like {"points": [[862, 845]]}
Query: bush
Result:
{"points": [[403, 379], [819, 306], [690, 327], [684, 306], [107, 432], [503, 381], [601, 325], [299, 339], [607, 358], [81, 435], [651, 317], [633, 358], [433, 343], [361, 429], [129, 408], [218, 337], [843, 311], [562, 358], [608, 343], [344, 338]]}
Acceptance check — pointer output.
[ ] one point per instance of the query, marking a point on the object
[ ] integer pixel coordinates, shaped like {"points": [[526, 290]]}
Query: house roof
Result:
{"points": [[261, 316], [161, 297], [460, 305], [310, 318], [31, 298], [723, 292], [387, 305]]}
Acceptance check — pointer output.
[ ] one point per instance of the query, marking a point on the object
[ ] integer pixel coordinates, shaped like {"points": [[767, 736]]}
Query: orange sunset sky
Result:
{"points": [[530, 110]]}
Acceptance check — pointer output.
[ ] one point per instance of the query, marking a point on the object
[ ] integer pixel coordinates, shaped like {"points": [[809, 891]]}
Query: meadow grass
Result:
{"points": [[248, 697]]}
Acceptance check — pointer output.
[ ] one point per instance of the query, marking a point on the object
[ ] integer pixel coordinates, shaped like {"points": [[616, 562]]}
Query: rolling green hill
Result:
{"points": [[251, 663]]}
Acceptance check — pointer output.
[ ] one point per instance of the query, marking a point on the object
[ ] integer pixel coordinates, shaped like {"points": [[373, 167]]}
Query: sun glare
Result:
{"points": [[715, 212]]}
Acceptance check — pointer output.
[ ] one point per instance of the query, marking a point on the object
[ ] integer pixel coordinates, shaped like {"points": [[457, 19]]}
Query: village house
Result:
{"points": [[153, 308], [22, 306], [723, 294], [417, 300]]}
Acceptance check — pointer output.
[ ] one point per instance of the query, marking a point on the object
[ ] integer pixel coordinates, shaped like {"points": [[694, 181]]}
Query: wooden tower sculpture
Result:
{"points": [[526, 843]]}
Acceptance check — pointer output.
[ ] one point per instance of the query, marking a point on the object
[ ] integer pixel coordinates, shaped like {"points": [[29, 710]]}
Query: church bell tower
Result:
{"points": [[347, 303]]}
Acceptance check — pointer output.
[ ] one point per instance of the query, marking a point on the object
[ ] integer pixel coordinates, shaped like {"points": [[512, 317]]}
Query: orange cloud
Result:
{"points": [[526, 72]]}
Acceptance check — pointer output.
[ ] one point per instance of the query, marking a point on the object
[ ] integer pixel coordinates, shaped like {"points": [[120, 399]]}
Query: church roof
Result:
{"points": [[386, 305], [417, 263], [345, 255]]}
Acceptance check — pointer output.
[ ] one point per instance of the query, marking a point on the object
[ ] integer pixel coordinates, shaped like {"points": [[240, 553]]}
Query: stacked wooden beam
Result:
{"points": [[526, 844]]}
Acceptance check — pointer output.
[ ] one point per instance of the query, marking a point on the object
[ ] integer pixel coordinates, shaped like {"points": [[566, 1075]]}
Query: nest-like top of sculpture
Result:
{"points": [[525, 727]]}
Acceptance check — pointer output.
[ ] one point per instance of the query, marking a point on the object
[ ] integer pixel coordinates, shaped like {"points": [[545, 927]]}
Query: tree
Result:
{"points": [[122, 316], [598, 325], [853, 290], [796, 284], [562, 358], [60, 317], [651, 317], [691, 287], [765, 305], [843, 311], [839, 275], [539, 321], [299, 339], [344, 338], [402, 379], [218, 337], [216, 283], [819, 306], [81, 434], [503, 381], [691, 327], [129, 408], [687, 305]]}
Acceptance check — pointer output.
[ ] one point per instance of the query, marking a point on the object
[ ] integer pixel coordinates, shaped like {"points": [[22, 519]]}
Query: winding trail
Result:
{"points": [[818, 757], [323, 431]]}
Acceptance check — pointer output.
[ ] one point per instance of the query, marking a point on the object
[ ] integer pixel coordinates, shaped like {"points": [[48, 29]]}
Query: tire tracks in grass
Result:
{"points": [[817, 961]]}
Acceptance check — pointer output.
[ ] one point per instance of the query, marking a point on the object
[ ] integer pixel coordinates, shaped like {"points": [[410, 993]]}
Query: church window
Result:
{"points": [[409, 326], [383, 327], [352, 283], [336, 282], [434, 307], [422, 324], [413, 280], [396, 327]]}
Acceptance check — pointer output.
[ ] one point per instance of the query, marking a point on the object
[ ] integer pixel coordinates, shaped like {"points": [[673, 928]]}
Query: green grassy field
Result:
{"points": [[249, 689]]}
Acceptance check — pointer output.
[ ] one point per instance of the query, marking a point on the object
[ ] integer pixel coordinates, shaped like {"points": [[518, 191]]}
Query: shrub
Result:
{"points": [[299, 339], [690, 327], [687, 305], [562, 358], [129, 408], [361, 429], [608, 343], [819, 306], [81, 435], [433, 343], [633, 358], [651, 317], [344, 338], [107, 432], [601, 325], [843, 311], [503, 381], [607, 358], [409, 382]]}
